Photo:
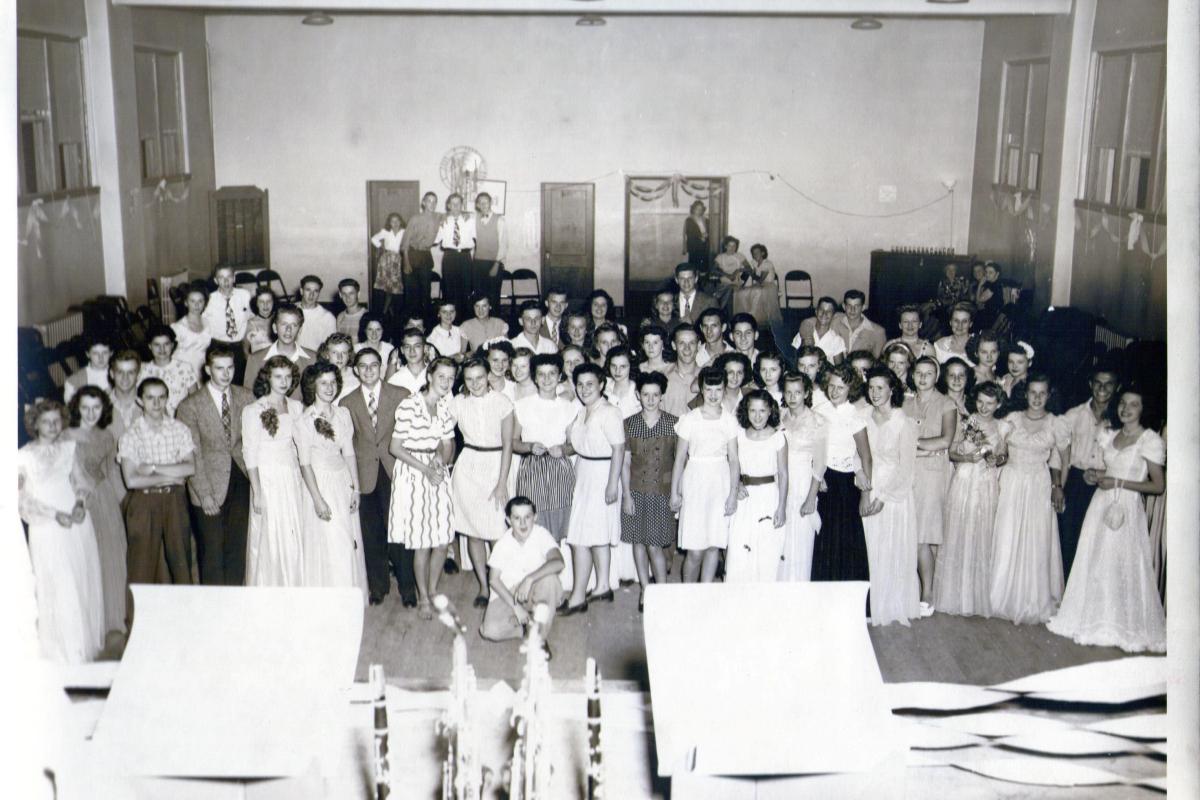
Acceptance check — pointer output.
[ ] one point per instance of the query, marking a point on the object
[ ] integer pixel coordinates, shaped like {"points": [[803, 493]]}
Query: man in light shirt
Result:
{"points": [[410, 374], [1081, 425], [123, 371], [287, 325], [858, 332], [817, 331], [524, 569], [556, 308], [418, 261], [531, 330], [94, 373], [319, 322], [226, 315], [744, 333], [456, 237], [491, 249], [349, 318], [712, 331]]}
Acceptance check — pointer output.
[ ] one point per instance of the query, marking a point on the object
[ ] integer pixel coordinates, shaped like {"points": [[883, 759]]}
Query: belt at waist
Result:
{"points": [[594, 458], [455, 249], [757, 480], [931, 453], [482, 449], [158, 489], [411, 450]]}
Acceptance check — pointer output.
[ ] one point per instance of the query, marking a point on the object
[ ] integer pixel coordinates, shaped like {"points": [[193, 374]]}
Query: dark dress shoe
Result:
{"points": [[481, 601], [566, 610], [410, 602], [607, 597], [546, 650], [641, 606], [376, 600], [450, 567]]}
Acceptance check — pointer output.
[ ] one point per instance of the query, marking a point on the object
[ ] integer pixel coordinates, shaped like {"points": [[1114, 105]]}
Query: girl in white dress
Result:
{"points": [[275, 551], [324, 437], [192, 335], [499, 355], [520, 372], [756, 531], [598, 436], [370, 334], [806, 433], [1111, 598], [705, 479], [483, 479], [621, 391], [572, 357], [891, 526], [52, 493], [545, 473]]}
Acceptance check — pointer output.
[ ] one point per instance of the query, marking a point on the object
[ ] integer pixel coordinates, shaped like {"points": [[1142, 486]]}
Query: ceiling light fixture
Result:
{"points": [[948, 2], [866, 24], [317, 18], [591, 21]]}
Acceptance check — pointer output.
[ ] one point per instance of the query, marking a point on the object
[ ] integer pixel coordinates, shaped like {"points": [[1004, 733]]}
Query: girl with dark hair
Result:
{"points": [[545, 474], [812, 363], [371, 331], [985, 349], [768, 371], [192, 335], [899, 359], [652, 339], [756, 530], [258, 327], [389, 264], [576, 330], [736, 369], [937, 420], [176, 373], [963, 575], [806, 434], [572, 357], [91, 413], [731, 266], [704, 479], [620, 389], [1016, 381], [605, 338], [840, 552], [483, 479], [275, 538], [1027, 573], [1111, 599], [602, 310], [956, 380], [499, 357], [598, 436], [647, 523], [422, 509], [890, 529], [520, 384], [52, 493], [324, 437]]}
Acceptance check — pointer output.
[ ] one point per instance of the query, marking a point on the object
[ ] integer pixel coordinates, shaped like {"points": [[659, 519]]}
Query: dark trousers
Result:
{"points": [[1078, 496], [416, 281], [456, 276], [484, 282], [157, 530], [373, 511], [239, 359], [221, 537]]}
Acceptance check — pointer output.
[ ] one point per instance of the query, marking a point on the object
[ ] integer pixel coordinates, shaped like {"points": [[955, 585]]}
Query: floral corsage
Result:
{"points": [[270, 420], [324, 428]]}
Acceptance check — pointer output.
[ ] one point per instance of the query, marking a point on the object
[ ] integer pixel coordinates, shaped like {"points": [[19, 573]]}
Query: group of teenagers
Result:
{"points": [[584, 452]]}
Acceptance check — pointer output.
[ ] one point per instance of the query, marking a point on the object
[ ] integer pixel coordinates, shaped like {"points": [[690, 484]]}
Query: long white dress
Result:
{"points": [[622, 566], [66, 561], [806, 460], [275, 540], [1027, 571], [705, 482], [1112, 598], [593, 521], [755, 545], [892, 533], [333, 550], [475, 473]]}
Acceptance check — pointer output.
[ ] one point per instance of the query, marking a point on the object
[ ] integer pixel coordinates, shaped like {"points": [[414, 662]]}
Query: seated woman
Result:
{"points": [[758, 292], [731, 270], [989, 297]]}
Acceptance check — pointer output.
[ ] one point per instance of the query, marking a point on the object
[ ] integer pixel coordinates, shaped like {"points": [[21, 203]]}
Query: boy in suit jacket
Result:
{"points": [[219, 489], [692, 302], [372, 406], [289, 319]]}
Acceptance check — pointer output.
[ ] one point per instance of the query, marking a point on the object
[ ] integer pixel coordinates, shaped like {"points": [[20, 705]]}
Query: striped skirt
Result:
{"points": [[549, 482], [421, 513]]}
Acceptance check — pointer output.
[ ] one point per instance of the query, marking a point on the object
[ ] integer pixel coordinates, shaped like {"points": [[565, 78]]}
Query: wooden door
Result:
{"points": [[383, 198], [568, 237]]}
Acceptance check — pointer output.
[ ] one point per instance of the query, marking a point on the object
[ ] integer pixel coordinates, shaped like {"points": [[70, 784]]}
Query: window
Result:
{"points": [[160, 114], [1022, 125], [52, 152], [1125, 154]]}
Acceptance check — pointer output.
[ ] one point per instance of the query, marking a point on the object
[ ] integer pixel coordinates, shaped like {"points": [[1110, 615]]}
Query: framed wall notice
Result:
{"points": [[496, 189]]}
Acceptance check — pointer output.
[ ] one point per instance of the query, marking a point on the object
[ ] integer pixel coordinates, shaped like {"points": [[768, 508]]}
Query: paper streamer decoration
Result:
{"points": [[1098, 677], [932, 696], [1042, 772], [1073, 743], [1141, 726], [1001, 723]]}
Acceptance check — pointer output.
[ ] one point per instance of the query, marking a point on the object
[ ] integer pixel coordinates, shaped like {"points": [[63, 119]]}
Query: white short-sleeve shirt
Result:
{"points": [[512, 560]]}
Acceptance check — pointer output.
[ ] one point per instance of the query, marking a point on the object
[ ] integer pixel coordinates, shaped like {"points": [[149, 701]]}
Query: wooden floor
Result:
{"points": [[941, 648]]}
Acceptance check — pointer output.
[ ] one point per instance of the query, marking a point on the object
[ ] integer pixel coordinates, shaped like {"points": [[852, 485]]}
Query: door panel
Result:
{"points": [[568, 237], [383, 198]]}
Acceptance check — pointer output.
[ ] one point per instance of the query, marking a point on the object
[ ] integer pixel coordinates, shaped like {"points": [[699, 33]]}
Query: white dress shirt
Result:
{"points": [[319, 325], [405, 379], [544, 345], [466, 233], [215, 319]]}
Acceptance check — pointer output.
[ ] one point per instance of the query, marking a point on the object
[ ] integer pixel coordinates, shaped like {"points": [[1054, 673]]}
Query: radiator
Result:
{"points": [[1110, 338], [165, 284], [57, 331]]}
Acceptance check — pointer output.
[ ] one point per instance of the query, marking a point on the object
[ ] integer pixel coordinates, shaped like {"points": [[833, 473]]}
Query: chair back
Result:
{"points": [[435, 286], [507, 289], [525, 286], [243, 278], [797, 289], [267, 276]]}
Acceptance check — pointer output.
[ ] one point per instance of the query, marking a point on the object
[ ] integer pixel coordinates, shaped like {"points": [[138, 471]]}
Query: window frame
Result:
{"points": [[1024, 151], [1156, 191], [184, 173], [56, 170]]}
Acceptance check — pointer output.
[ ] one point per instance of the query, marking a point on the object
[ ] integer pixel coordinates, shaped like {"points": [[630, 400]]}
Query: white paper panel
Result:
{"points": [[1132, 671], [92, 675], [929, 737], [1072, 743], [932, 696], [727, 687], [1040, 771], [225, 681], [1001, 723], [1140, 726]]}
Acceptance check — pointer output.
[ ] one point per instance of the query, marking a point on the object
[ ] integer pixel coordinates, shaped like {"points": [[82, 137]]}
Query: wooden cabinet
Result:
{"points": [[898, 278], [240, 230]]}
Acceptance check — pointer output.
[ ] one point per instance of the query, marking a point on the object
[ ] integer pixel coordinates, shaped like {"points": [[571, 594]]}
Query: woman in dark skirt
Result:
{"points": [[647, 521], [840, 551], [545, 474], [695, 237]]}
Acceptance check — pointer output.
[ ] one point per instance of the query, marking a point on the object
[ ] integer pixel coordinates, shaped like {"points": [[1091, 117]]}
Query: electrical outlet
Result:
{"points": [[887, 194]]}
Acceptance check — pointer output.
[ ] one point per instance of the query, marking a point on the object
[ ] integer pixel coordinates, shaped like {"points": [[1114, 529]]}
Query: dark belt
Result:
{"points": [[157, 489], [594, 458], [757, 480], [482, 449], [409, 449], [456, 249]]}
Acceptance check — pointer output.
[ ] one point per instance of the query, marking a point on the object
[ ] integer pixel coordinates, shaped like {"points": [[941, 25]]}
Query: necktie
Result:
{"points": [[226, 420], [457, 239], [687, 306], [373, 408], [230, 322]]}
